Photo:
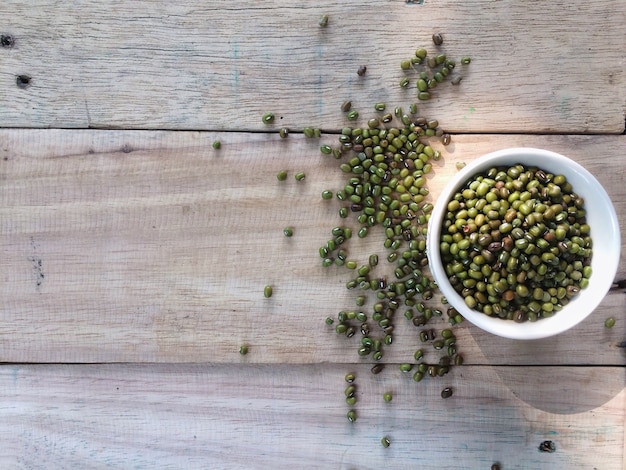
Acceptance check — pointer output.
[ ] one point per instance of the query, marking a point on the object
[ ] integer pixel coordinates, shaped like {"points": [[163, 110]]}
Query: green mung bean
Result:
{"points": [[353, 115], [385, 442], [283, 132], [281, 175], [268, 118], [288, 231], [299, 176], [387, 396], [327, 194], [217, 144], [243, 349], [268, 291], [351, 415], [609, 322], [326, 149], [323, 21]]}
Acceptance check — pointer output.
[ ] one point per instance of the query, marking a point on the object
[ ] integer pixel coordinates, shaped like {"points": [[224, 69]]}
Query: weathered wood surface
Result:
{"points": [[152, 248], [135, 246], [237, 416], [537, 66]]}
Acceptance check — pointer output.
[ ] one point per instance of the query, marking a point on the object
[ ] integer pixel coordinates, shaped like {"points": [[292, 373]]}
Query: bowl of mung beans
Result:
{"points": [[524, 243]]}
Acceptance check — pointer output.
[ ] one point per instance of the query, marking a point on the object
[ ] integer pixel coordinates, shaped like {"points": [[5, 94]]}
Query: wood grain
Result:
{"points": [[137, 246], [220, 65], [231, 417]]}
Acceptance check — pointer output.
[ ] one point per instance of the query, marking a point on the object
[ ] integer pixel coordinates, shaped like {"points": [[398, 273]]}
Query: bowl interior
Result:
{"points": [[601, 218]]}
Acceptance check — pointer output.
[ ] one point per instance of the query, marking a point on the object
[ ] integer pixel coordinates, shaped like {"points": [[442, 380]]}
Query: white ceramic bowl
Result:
{"points": [[601, 218]]}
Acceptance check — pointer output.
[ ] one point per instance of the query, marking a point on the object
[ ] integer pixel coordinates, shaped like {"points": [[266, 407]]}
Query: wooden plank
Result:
{"points": [[226, 417], [222, 64], [153, 247]]}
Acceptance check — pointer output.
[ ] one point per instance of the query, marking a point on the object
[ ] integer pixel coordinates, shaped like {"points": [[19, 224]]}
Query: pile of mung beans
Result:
{"points": [[515, 243], [386, 164]]}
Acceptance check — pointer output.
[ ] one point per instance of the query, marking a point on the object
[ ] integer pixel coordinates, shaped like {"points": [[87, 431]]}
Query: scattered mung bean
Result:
{"points": [[268, 291], [268, 118]]}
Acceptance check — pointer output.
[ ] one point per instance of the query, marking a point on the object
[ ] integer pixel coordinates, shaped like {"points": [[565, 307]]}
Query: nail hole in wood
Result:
{"points": [[23, 81], [6, 40]]}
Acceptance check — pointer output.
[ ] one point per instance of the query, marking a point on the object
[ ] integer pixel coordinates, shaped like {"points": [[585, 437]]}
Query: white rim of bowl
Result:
{"points": [[603, 274]]}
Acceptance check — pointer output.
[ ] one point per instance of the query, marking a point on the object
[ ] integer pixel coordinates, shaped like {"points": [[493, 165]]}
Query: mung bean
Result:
{"points": [[243, 349], [385, 442], [300, 176], [609, 322], [288, 231], [323, 22], [281, 175], [268, 118], [217, 144], [447, 392], [268, 291]]}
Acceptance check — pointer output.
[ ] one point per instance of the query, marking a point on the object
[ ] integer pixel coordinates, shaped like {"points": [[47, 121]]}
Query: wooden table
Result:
{"points": [[134, 255]]}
